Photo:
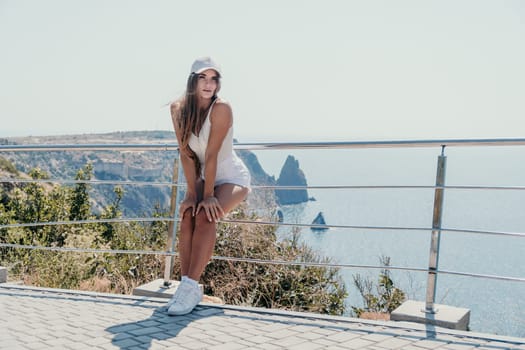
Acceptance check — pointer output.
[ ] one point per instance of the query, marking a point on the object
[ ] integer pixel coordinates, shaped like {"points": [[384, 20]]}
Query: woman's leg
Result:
{"points": [[187, 227], [230, 196], [202, 244], [204, 233]]}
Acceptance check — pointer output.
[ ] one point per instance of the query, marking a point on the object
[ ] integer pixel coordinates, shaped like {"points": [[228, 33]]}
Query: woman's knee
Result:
{"points": [[201, 220], [186, 223]]}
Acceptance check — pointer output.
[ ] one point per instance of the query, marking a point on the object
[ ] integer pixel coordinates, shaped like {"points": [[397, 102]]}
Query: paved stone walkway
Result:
{"points": [[54, 319]]}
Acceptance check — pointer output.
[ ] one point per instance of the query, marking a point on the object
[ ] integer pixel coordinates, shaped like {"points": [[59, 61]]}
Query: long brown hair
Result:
{"points": [[191, 116]]}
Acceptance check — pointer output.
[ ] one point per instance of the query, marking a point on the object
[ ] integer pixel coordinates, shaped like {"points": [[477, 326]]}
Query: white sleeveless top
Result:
{"points": [[230, 168]]}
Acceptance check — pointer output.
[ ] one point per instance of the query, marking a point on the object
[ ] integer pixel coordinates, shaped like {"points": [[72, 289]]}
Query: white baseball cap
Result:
{"points": [[204, 63]]}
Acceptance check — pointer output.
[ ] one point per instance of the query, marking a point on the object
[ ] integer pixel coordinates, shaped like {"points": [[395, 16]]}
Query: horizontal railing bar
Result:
{"points": [[373, 187], [316, 264], [260, 261], [91, 147], [93, 182], [479, 275], [314, 187], [266, 223], [470, 187], [383, 144], [86, 250], [275, 145], [274, 223], [156, 252], [150, 219], [386, 228], [82, 222], [484, 232], [402, 268]]}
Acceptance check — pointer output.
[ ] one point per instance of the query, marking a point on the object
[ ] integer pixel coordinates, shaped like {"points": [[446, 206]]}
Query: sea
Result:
{"points": [[496, 306]]}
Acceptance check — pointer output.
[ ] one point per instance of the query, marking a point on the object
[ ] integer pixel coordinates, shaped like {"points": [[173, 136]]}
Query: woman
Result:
{"points": [[217, 180]]}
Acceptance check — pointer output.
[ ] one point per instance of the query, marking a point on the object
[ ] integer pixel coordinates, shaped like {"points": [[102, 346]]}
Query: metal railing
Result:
{"points": [[176, 184]]}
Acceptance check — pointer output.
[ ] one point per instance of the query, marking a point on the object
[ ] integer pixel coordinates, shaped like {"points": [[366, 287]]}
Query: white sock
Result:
{"points": [[183, 278]]}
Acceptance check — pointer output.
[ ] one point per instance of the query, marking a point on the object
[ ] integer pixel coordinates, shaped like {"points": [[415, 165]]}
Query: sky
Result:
{"points": [[294, 70]]}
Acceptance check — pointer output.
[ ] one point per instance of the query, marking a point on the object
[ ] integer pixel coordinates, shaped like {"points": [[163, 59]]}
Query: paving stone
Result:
{"points": [[162, 336], [267, 346], [35, 345], [211, 342], [282, 334], [95, 341], [325, 331], [460, 347], [430, 343], [208, 312], [344, 336], [145, 330], [324, 341], [410, 336], [303, 328], [201, 335], [376, 337], [259, 339], [225, 338], [138, 347], [126, 343], [273, 327], [228, 346], [194, 345], [28, 338], [144, 339], [393, 343], [357, 343], [122, 336], [310, 335], [243, 334], [289, 341], [245, 343], [306, 346]]}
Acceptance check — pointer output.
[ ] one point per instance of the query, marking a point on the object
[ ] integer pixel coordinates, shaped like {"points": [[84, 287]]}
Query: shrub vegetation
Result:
{"points": [[292, 287]]}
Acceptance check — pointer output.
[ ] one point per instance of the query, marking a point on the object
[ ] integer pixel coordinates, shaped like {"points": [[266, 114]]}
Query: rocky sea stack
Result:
{"points": [[291, 175]]}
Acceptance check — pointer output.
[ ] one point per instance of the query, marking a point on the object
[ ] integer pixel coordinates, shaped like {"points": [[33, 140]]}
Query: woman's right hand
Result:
{"points": [[187, 203]]}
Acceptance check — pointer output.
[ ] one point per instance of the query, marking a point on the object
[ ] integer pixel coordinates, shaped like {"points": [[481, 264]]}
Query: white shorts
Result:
{"points": [[232, 171]]}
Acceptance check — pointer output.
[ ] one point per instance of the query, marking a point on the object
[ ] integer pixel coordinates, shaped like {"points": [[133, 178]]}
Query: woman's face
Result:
{"points": [[207, 84]]}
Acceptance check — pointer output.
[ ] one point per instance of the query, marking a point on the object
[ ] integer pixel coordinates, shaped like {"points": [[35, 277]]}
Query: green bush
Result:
{"points": [[386, 298]]}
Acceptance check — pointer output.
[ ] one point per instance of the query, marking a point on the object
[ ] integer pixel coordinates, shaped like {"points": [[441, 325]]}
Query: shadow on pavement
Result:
{"points": [[159, 326]]}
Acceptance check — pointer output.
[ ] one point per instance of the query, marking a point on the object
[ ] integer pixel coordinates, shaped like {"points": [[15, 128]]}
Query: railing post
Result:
{"points": [[172, 225], [436, 233]]}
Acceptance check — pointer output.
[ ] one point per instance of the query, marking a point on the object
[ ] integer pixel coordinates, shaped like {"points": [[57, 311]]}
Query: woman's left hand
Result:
{"points": [[212, 208]]}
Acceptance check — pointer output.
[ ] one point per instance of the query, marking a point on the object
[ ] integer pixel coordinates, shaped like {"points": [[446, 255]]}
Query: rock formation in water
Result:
{"points": [[320, 223], [291, 175]]}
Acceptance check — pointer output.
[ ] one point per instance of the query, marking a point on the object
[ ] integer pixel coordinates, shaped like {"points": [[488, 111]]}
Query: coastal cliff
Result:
{"points": [[144, 166]]}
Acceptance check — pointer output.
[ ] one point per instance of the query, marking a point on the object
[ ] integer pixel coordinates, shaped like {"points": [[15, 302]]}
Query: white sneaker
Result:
{"points": [[186, 300], [176, 296]]}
